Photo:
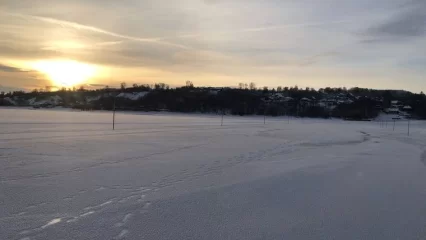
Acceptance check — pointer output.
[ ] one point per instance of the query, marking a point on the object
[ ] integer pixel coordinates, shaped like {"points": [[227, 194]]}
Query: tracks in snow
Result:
{"points": [[141, 194]]}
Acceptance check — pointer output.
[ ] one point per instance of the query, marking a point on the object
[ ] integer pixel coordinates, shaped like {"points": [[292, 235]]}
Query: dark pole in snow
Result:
{"points": [[264, 117], [408, 127], [264, 113], [113, 115], [223, 113], [287, 113]]}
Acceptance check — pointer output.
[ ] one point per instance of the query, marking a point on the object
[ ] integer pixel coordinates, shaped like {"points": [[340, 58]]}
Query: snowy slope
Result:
{"points": [[132, 96], [10, 101], [52, 100], [67, 175]]}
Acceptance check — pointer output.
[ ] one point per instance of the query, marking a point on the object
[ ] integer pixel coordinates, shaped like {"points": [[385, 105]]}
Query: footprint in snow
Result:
{"points": [[122, 234], [51, 223], [124, 221]]}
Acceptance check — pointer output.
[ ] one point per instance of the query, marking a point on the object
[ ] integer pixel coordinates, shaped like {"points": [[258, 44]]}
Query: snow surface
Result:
{"points": [[66, 175]]}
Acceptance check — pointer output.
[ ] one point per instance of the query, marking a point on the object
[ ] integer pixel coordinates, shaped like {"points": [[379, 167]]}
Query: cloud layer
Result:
{"points": [[5, 68], [408, 22], [215, 42]]}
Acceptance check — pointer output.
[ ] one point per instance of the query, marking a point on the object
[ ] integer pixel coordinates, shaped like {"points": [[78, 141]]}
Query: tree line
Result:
{"points": [[246, 99]]}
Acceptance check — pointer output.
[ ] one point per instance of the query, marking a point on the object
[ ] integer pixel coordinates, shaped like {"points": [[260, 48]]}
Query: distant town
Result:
{"points": [[246, 99]]}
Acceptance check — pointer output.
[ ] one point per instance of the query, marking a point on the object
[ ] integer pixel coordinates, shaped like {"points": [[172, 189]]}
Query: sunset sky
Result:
{"points": [[309, 43]]}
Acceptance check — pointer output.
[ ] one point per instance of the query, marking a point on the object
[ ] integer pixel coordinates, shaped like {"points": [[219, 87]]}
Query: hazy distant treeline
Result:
{"points": [[247, 99]]}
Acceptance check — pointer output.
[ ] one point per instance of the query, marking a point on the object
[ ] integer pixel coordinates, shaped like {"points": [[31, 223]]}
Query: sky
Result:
{"points": [[310, 43]]}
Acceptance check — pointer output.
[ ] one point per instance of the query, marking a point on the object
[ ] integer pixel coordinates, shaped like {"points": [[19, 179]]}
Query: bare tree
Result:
{"points": [[252, 86], [123, 85], [189, 84], [160, 86]]}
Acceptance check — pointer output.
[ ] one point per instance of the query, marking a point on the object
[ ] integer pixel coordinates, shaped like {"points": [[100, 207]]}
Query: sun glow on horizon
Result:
{"points": [[65, 73]]}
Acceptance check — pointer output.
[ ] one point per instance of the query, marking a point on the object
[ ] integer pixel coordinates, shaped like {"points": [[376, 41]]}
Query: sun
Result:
{"points": [[65, 73]]}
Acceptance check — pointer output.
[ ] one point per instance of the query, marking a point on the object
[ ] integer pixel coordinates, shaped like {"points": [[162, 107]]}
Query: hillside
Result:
{"points": [[355, 103]]}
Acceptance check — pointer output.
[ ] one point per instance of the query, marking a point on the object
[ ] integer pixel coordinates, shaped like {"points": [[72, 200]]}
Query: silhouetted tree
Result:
{"points": [[123, 85], [189, 84]]}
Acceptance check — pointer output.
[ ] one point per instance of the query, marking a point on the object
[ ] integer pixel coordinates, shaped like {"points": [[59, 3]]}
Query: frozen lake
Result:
{"points": [[66, 175]]}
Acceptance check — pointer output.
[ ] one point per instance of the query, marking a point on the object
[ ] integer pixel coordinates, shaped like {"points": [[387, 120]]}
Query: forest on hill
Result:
{"points": [[246, 99]]}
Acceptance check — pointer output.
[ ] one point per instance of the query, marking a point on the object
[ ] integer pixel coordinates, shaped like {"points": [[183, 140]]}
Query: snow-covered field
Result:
{"points": [[66, 175]]}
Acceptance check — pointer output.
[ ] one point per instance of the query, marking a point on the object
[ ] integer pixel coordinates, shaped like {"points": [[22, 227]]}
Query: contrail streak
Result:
{"points": [[96, 30], [311, 24], [267, 28]]}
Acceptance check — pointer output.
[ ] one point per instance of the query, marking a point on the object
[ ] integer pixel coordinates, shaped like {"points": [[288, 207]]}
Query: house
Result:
{"points": [[392, 110], [305, 103], [407, 108], [288, 101], [328, 103], [277, 97], [396, 104]]}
